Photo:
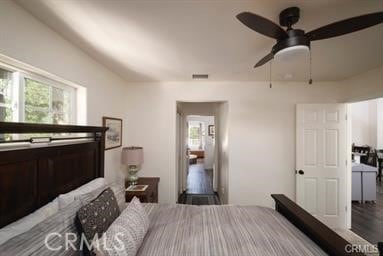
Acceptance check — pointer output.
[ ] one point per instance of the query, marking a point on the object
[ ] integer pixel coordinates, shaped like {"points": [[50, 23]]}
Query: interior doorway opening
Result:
{"points": [[365, 172], [201, 166], [200, 146]]}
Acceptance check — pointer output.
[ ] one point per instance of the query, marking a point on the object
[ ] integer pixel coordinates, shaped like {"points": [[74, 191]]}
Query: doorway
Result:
{"points": [[201, 143], [366, 152], [198, 153]]}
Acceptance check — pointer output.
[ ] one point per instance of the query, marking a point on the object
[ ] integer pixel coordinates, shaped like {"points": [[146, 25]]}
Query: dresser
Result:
{"points": [[150, 195]]}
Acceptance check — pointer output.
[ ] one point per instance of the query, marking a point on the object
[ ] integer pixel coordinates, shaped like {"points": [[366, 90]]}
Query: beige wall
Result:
{"points": [[364, 127], [26, 39]]}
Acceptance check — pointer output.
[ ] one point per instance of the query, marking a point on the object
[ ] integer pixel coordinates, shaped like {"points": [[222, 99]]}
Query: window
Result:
{"points": [[5, 95], [46, 104], [34, 99], [196, 135]]}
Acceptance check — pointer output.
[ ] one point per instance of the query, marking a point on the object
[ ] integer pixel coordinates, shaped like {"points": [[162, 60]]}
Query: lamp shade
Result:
{"points": [[132, 156]]}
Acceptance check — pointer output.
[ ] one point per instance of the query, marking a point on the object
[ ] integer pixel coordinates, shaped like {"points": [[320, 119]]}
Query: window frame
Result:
{"points": [[18, 96], [14, 91]]}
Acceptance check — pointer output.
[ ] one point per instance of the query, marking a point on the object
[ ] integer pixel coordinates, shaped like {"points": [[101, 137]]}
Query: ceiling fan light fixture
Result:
{"points": [[291, 42], [292, 52]]}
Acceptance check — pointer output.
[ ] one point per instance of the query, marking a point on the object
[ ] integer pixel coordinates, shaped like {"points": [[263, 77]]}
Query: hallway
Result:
{"points": [[199, 180], [199, 189]]}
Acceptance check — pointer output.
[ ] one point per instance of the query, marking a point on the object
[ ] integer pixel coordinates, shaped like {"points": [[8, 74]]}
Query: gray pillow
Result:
{"points": [[96, 217], [125, 235]]}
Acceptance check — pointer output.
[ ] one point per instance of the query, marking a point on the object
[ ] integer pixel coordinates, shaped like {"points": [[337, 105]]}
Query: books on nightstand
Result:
{"points": [[139, 188]]}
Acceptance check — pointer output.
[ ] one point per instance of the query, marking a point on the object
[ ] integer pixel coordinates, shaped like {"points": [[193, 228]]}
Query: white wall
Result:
{"points": [[26, 39], [364, 127], [261, 132], [222, 130]]}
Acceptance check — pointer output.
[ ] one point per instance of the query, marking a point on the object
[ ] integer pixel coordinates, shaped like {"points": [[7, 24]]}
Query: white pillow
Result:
{"points": [[125, 235], [26, 223], [66, 199]]}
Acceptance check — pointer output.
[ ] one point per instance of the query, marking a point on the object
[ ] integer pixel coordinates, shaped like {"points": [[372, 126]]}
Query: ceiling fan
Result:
{"points": [[294, 40]]}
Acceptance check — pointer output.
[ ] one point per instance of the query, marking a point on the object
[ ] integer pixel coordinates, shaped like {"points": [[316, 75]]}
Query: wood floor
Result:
{"points": [[199, 190], [199, 180], [367, 218]]}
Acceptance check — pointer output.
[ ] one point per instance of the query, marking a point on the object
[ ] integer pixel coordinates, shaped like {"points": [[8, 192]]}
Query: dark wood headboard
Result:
{"points": [[30, 177]]}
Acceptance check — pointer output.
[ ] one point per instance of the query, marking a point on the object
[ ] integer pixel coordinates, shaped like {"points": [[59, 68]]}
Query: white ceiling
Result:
{"points": [[171, 40]]}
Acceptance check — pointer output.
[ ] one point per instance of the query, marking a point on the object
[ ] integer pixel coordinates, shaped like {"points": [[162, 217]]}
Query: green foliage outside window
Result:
{"points": [[5, 97], [45, 104], [194, 133], [37, 100], [40, 102]]}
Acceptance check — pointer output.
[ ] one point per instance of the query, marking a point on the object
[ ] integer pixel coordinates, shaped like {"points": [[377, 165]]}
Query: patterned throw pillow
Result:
{"points": [[125, 235], [96, 217]]}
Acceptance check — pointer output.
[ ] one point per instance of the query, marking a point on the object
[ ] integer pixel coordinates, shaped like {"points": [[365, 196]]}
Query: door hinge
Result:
{"points": [[345, 208], [346, 117], [346, 162]]}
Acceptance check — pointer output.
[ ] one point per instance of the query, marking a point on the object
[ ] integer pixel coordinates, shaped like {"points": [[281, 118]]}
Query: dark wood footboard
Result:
{"points": [[323, 236]]}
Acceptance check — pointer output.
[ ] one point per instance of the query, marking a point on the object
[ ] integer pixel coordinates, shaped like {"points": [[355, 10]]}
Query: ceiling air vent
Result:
{"points": [[200, 76]]}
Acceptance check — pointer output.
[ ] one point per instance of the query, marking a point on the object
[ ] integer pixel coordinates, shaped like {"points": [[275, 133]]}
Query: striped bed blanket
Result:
{"points": [[184, 230], [222, 230]]}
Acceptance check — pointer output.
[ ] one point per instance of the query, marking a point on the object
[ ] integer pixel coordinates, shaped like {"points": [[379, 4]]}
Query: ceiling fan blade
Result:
{"points": [[262, 25], [264, 60], [346, 26]]}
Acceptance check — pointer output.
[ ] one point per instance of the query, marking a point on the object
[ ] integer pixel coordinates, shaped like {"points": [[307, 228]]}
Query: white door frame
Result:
{"points": [[349, 167]]}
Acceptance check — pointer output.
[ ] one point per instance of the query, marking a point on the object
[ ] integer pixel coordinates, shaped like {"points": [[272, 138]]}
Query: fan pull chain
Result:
{"points": [[310, 79], [271, 85]]}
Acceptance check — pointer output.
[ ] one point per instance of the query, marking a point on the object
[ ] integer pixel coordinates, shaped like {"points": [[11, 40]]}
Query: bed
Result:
{"points": [[31, 177]]}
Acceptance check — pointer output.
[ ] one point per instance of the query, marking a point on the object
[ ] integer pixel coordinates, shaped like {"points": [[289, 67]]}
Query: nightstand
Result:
{"points": [[150, 195]]}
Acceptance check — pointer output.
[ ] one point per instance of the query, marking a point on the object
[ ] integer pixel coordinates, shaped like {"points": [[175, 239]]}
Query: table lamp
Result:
{"points": [[133, 157]]}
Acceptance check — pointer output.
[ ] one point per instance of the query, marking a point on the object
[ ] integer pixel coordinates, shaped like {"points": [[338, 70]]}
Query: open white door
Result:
{"points": [[321, 161]]}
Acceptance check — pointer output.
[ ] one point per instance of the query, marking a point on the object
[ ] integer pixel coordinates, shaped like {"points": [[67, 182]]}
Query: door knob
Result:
{"points": [[301, 172]]}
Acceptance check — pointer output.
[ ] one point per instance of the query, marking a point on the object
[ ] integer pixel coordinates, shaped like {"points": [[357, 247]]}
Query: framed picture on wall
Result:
{"points": [[211, 130], [113, 136]]}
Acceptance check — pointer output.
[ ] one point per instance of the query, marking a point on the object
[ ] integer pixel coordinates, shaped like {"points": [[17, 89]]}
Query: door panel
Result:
{"points": [[331, 204], [310, 146], [311, 191], [331, 148], [321, 155]]}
